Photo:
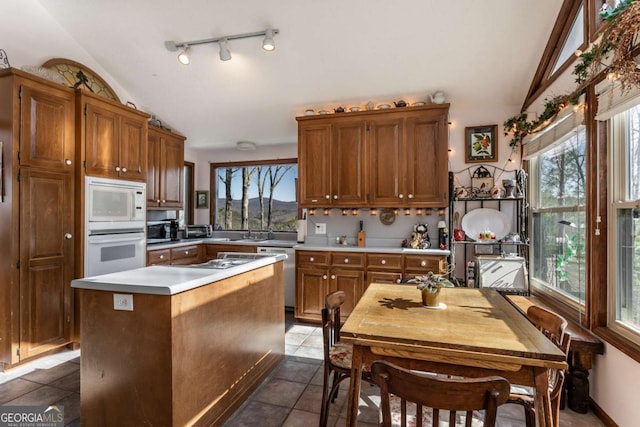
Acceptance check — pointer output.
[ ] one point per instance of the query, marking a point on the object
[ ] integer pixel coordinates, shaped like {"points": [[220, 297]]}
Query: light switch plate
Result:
{"points": [[321, 228], [123, 302]]}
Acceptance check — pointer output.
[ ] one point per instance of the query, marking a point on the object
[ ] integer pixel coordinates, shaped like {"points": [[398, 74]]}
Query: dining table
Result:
{"points": [[471, 333]]}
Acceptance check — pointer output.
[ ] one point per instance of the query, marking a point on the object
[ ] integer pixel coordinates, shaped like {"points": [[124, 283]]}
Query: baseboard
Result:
{"points": [[601, 414]]}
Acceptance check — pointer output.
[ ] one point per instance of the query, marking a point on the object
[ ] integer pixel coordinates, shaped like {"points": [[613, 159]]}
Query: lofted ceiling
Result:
{"points": [[482, 54]]}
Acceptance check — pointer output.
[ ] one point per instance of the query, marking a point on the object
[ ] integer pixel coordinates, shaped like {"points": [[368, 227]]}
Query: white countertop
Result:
{"points": [[167, 280], [216, 240], [372, 249]]}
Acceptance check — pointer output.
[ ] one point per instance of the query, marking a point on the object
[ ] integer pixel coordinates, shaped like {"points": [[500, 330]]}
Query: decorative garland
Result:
{"points": [[618, 41]]}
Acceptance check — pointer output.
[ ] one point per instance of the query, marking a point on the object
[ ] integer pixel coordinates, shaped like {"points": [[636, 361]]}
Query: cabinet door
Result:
{"points": [[426, 143], [351, 281], [159, 257], [102, 139], [133, 148], [314, 167], [46, 128], [46, 260], [312, 285], [386, 162], [171, 168], [348, 163], [153, 170]]}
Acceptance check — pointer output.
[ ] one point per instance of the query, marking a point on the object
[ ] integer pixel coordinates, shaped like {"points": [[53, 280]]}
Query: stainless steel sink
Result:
{"points": [[220, 264]]}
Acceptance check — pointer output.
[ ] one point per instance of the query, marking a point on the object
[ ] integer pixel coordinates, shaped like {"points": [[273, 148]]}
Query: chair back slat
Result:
{"points": [[439, 393]]}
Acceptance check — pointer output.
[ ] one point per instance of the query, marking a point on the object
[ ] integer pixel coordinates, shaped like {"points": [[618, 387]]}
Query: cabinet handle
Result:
{"points": [[161, 256], [117, 168], [67, 162], [164, 201], [401, 196], [346, 260], [423, 263], [326, 196], [410, 196], [68, 236], [335, 197], [311, 259], [158, 201], [333, 276], [124, 169], [324, 276], [383, 262], [186, 252], [398, 281]]}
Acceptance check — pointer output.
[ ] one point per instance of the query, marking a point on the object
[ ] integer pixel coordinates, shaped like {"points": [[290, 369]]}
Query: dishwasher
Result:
{"points": [[289, 272]]}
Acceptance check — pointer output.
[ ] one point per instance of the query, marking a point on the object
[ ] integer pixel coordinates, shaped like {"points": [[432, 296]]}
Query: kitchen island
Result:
{"points": [[174, 346]]}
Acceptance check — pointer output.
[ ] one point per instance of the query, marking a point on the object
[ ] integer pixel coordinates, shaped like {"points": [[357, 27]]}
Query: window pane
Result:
{"points": [[558, 259], [633, 178], [259, 197], [628, 268], [562, 174]]}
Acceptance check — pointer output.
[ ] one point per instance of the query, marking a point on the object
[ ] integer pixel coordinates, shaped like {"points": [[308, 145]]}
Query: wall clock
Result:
{"points": [[77, 75], [387, 216]]}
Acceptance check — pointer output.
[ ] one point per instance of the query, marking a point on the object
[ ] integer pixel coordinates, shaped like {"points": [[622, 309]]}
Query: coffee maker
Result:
{"points": [[173, 229]]}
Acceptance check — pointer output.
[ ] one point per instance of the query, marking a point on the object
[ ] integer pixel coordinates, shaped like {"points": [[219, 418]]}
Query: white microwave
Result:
{"points": [[114, 200]]}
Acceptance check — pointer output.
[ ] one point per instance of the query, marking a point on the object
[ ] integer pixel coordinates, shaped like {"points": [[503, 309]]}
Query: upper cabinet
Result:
{"points": [[114, 138], [165, 165], [378, 158]]}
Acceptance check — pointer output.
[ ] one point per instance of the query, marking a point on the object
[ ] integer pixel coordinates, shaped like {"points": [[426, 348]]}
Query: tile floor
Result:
{"points": [[290, 396]]}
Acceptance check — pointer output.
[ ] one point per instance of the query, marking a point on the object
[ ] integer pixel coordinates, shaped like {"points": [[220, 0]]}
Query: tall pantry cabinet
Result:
{"points": [[37, 215]]}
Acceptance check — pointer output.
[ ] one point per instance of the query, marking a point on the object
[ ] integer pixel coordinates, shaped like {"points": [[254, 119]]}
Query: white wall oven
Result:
{"points": [[115, 229]]}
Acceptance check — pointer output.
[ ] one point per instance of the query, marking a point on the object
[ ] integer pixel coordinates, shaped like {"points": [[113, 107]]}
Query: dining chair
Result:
{"points": [[553, 326], [337, 354], [404, 394]]}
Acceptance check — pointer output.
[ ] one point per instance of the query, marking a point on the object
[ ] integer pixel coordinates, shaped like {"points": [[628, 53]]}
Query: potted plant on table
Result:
{"points": [[430, 285]]}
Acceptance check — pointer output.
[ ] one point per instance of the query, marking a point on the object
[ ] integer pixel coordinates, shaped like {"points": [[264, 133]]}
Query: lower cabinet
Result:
{"points": [[182, 255], [211, 251], [321, 272], [159, 257]]}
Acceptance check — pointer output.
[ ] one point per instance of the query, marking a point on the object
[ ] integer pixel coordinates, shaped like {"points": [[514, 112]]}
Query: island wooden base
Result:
{"points": [[185, 359]]}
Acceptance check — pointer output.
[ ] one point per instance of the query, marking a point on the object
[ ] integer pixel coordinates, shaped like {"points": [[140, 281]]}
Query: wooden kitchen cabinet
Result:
{"points": [[211, 250], [159, 257], [380, 158], [321, 272], [113, 138], [185, 255], [165, 164], [312, 284], [37, 213]]}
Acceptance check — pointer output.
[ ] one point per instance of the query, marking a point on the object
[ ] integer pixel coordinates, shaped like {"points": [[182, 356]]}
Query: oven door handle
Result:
{"points": [[97, 241]]}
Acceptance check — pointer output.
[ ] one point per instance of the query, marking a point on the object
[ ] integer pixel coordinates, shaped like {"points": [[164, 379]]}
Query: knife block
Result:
{"points": [[362, 238]]}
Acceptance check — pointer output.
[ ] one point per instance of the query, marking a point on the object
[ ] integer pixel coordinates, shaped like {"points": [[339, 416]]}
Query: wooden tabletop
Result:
{"points": [[476, 325]]}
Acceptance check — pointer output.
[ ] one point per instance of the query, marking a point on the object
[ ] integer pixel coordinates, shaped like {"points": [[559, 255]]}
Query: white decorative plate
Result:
{"points": [[483, 219]]}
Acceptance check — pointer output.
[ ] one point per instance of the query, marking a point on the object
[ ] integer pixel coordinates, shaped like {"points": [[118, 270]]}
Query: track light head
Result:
{"points": [[225, 55], [268, 44], [185, 56]]}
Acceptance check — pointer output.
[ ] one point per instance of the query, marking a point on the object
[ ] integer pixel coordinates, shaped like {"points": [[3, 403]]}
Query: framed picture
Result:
{"points": [[202, 199], [481, 144]]}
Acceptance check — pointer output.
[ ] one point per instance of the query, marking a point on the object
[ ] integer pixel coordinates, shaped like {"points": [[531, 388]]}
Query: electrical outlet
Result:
{"points": [[321, 228], [123, 302]]}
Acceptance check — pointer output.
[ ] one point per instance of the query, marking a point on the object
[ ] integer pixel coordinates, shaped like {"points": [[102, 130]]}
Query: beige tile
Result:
{"points": [[279, 392]]}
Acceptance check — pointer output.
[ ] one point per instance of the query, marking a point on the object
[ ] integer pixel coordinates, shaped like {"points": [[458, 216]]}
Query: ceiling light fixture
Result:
{"points": [[184, 56], [267, 44], [245, 146], [225, 55]]}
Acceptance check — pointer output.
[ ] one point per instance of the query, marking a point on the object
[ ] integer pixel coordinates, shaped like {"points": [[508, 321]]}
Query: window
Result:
{"points": [[255, 196], [557, 260], [624, 214]]}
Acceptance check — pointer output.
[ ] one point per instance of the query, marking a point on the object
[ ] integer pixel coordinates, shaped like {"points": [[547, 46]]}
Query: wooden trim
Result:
{"points": [[618, 341], [542, 79], [599, 412], [57, 61]]}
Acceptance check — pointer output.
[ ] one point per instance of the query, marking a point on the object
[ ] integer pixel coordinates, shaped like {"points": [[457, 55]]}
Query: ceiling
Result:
{"points": [[329, 53]]}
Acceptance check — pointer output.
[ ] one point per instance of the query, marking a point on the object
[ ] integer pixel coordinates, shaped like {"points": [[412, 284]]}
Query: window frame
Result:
{"points": [[246, 163], [538, 286], [619, 199]]}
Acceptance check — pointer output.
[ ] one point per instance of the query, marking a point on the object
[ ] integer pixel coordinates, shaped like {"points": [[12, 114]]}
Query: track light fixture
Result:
{"points": [[225, 55], [184, 57]]}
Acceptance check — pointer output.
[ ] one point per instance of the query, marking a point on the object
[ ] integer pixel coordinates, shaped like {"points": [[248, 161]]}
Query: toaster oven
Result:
{"points": [[197, 231]]}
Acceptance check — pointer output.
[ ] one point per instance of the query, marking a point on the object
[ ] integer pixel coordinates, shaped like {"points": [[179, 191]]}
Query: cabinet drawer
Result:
{"points": [[312, 258], [384, 262], [424, 263], [185, 255], [347, 259], [159, 257]]}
